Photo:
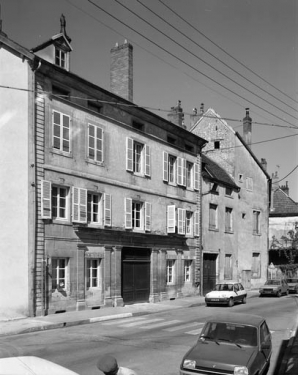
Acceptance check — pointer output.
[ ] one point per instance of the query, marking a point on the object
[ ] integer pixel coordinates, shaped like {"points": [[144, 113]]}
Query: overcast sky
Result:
{"points": [[188, 62]]}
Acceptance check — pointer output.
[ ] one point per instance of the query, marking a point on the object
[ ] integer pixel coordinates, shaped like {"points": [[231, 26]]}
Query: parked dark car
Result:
{"points": [[234, 344], [274, 287], [293, 285]]}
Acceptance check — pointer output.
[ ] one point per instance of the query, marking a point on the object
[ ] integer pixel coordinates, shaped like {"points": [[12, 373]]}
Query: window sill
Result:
{"points": [[214, 229], [229, 231], [94, 162], [61, 153], [256, 233]]}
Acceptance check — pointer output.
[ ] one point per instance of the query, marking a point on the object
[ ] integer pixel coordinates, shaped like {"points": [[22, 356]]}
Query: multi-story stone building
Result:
{"points": [[235, 213], [100, 198]]}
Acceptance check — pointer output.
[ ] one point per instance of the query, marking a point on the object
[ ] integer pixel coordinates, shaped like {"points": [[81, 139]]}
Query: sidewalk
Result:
{"points": [[67, 319]]}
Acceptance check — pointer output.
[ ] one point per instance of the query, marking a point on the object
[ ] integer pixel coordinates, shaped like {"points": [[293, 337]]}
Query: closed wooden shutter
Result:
{"points": [[129, 154], [197, 224], [107, 210], [128, 213], [147, 216], [147, 161], [196, 176], [79, 205], [165, 166], [46, 197], [171, 219]]}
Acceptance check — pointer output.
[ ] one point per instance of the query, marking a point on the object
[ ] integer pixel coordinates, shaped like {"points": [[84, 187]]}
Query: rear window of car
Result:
{"points": [[229, 332], [220, 287], [273, 282]]}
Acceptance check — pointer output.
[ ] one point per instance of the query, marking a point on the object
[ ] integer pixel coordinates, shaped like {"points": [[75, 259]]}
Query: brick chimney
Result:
{"points": [[195, 116], [247, 128], [264, 164], [275, 186], [121, 73], [176, 115], [285, 188]]}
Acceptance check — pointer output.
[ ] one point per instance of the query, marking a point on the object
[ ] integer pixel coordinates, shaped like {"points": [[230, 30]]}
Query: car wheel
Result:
{"points": [[231, 302], [278, 294], [244, 300]]}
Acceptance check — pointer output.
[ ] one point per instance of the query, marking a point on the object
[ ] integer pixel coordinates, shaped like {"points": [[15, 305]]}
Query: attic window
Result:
{"points": [[138, 125], [229, 191], [171, 140], [60, 92], [217, 145], [60, 58], [214, 188], [94, 106], [188, 148]]}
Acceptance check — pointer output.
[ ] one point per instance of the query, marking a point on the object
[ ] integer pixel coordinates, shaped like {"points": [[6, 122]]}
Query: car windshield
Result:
{"points": [[292, 280], [228, 332], [272, 282], [223, 287]]}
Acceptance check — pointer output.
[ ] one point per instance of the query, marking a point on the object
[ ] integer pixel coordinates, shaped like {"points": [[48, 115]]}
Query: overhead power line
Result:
{"points": [[184, 62], [228, 54]]}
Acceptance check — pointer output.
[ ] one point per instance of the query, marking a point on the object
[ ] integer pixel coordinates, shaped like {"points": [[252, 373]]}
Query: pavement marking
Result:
{"points": [[134, 324], [161, 324], [109, 317], [127, 320], [194, 332], [183, 326]]}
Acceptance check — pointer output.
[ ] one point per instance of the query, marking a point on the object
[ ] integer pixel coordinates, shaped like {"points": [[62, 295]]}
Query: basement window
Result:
{"points": [[217, 145]]}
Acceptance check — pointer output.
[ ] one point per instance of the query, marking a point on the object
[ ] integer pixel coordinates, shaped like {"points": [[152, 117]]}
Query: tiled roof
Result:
{"points": [[283, 205], [214, 171]]}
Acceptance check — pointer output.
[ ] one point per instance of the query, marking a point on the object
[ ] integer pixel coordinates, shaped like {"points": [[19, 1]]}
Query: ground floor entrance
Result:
{"points": [[209, 272], [135, 275]]}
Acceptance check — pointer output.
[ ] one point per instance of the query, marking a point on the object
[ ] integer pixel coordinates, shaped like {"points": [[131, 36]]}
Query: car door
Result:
{"points": [[265, 344], [238, 296]]}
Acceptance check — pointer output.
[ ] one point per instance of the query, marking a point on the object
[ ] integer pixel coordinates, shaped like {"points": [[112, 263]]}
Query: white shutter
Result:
{"points": [[46, 199], [128, 213], [171, 219], [165, 166], [181, 220], [184, 172], [196, 176], [129, 154], [147, 161], [179, 171], [107, 210], [99, 144], [147, 216], [79, 205], [197, 224]]}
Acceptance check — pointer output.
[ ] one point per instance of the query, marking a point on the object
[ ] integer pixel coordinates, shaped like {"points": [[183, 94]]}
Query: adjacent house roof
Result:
{"points": [[211, 169], [283, 205]]}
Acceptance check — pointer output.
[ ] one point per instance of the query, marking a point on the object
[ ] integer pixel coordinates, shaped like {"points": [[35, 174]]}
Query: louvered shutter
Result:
{"points": [[184, 172], [147, 161], [128, 213], [197, 224], [107, 210], [46, 199], [147, 216], [165, 166], [196, 176], [179, 171], [171, 219], [181, 220], [129, 154], [79, 205], [99, 144]]}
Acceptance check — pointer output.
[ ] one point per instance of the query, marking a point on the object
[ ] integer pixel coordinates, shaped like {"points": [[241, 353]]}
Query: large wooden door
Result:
{"points": [[209, 272], [135, 275]]}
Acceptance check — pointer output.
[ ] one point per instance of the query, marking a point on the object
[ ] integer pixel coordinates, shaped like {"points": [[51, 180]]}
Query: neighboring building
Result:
{"points": [[100, 199], [235, 236], [283, 229]]}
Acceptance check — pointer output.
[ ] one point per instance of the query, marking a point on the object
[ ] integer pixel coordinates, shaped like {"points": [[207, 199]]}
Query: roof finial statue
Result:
{"points": [[63, 27]]}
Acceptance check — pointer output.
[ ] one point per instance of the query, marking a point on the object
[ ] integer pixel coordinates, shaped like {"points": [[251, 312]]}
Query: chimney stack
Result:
{"points": [[121, 73], [285, 188], [177, 116], [264, 164], [247, 128]]}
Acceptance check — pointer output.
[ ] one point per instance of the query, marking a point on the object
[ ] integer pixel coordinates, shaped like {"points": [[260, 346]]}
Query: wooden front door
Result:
{"points": [[135, 275], [209, 272]]}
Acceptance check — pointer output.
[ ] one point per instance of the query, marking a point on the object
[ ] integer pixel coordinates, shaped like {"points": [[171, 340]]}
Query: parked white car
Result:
{"points": [[226, 293]]}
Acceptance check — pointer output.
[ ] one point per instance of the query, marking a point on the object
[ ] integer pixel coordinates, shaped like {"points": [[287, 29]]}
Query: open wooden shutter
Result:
{"points": [[99, 144], [147, 161], [107, 210], [183, 172], [128, 213], [196, 176], [79, 205], [147, 216], [171, 219], [179, 171], [46, 199], [129, 154], [181, 220], [197, 224], [165, 166]]}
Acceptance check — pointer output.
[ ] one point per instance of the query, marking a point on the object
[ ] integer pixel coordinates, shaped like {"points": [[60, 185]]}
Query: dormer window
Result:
{"points": [[60, 58]]}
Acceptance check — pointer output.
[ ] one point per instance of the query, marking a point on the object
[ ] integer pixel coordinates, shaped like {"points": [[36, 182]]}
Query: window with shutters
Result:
{"points": [[172, 169], [228, 270], [137, 157], [60, 203], [59, 274], [256, 266], [170, 271], [93, 273], [94, 208], [228, 219], [189, 223], [95, 143], [61, 58], [137, 215], [61, 133], [213, 224], [187, 271], [256, 222]]}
